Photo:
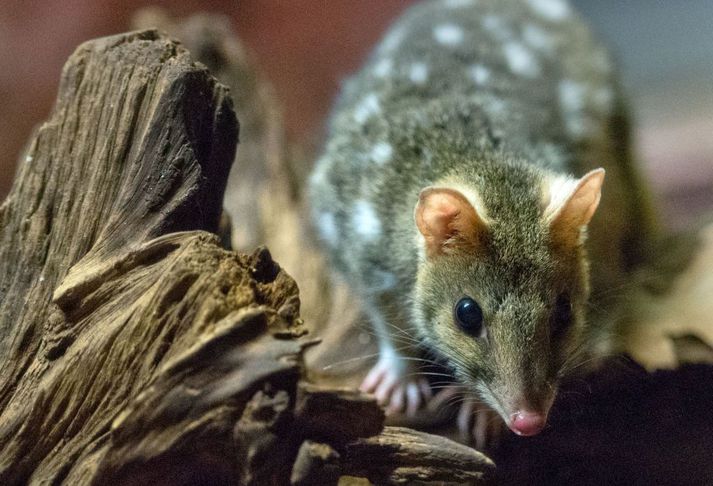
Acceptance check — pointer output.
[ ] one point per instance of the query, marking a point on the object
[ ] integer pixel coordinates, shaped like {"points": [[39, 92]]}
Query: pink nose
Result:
{"points": [[527, 423]]}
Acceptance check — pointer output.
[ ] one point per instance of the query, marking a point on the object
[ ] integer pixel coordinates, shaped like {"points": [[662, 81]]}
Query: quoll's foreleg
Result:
{"points": [[395, 379]]}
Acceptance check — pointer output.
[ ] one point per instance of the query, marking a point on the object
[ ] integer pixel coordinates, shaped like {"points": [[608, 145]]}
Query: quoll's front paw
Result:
{"points": [[480, 425], [477, 423], [396, 385]]}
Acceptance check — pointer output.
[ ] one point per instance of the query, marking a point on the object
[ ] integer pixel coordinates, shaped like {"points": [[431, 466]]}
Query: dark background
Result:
{"points": [[306, 47]]}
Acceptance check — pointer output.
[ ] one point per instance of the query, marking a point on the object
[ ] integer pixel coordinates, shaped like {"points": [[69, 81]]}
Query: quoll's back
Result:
{"points": [[524, 77]]}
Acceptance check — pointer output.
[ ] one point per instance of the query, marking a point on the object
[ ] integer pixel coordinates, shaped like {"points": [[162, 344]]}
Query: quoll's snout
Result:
{"points": [[526, 422], [528, 417]]}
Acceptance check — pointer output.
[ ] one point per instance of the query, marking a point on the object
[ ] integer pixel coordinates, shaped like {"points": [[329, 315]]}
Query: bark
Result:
{"points": [[264, 197], [403, 456], [135, 349]]}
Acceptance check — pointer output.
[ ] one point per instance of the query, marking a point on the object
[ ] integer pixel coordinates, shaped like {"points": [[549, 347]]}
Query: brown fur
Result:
{"points": [[504, 140]]}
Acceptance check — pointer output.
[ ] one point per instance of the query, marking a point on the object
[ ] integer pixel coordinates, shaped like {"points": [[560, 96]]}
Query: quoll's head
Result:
{"points": [[502, 287]]}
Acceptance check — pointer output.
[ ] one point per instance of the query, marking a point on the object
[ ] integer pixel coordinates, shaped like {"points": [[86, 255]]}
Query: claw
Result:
{"points": [[465, 421], [385, 390], [480, 430], [396, 388], [477, 423], [425, 389], [442, 398], [396, 405], [413, 399], [372, 379]]}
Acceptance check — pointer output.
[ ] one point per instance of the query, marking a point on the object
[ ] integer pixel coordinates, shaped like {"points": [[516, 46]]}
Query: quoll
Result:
{"points": [[456, 194]]}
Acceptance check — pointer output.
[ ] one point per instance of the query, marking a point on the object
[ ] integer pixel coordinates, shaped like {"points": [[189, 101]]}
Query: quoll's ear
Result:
{"points": [[572, 204], [447, 221]]}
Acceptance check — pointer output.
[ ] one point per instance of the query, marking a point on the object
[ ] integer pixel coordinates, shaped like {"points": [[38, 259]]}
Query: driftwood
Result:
{"points": [[263, 194], [134, 349]]}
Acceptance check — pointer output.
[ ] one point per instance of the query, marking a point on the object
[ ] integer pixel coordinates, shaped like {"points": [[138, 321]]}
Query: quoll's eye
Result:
{"points": [[469, 316]]}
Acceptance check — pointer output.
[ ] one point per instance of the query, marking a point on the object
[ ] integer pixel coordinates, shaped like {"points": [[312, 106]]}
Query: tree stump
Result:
{"points": [[134, 349]]}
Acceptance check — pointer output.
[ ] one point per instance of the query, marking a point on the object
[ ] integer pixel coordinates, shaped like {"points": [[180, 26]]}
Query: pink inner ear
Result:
{"points": [[445, 218], [579, 208], [589, 195], [436, 211]]}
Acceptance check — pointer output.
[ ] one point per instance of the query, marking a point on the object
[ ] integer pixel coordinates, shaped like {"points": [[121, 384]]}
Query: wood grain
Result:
{"points": [[135, 349]]}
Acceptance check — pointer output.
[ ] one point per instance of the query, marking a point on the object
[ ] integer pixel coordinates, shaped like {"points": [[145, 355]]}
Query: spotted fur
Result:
{"points": [[509, 99]]}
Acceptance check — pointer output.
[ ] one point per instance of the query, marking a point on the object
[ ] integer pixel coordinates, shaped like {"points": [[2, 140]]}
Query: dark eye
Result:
{"points": [[562, 316], [469, 316]]}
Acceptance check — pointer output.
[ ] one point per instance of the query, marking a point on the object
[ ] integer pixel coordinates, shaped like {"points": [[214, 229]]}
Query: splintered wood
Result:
{"points": [[134, 349]]}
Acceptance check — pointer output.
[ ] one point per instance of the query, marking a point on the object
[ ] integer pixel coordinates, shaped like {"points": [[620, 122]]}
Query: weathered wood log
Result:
{"points": [[133, 348], [403, 456], [261, 156], [395, 456], [277, 218], [96, 313]]}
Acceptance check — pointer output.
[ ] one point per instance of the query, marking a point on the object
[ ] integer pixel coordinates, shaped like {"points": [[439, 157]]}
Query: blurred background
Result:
{"points": [[306, 47]]}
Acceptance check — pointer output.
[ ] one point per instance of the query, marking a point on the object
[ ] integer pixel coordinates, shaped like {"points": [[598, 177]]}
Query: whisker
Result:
{"points": [[428, 373], [441, 384], [406, 339], [350, 360], [358, 358]]}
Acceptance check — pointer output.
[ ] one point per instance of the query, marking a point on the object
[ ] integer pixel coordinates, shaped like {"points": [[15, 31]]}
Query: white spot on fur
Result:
{"points": [[571, 95], [381, 153], [550, 9], [426, 157], [448, 34], [572, 98], [521, 60], [479, 73], [418, 73], [382, 280], [459, 3], [367, 107], [393, 39], [328, 228], [319, 173], [365, 221], [495, 107], [383, 68], [538, 38], [576, 125], [421, 246], [496, 26]]}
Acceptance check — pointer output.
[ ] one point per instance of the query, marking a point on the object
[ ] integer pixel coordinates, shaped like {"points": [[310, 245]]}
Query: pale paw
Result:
{"points": [[478, 424], [397, 387]]}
